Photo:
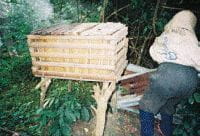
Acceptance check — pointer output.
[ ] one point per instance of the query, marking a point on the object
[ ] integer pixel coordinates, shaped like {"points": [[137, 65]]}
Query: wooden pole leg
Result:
{"points": [[43, 85], [102, 95], [113, 102]]}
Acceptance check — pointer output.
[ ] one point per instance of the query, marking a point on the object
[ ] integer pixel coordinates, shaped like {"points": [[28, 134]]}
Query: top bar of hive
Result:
{"points": [[86, 51]]}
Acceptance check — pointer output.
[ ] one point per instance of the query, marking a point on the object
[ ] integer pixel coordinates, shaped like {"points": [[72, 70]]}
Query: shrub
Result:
{"points": [[68, 102]]}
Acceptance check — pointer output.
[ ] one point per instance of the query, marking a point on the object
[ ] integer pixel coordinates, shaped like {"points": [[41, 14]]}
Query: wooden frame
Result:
{"points": [[87, 51]]}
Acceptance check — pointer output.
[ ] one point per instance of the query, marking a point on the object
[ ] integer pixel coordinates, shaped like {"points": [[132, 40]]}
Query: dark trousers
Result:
{"points": [[168, 85]]}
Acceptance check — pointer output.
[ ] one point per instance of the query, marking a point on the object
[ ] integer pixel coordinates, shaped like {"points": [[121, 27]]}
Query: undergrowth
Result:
{"points": [[66, 102]]}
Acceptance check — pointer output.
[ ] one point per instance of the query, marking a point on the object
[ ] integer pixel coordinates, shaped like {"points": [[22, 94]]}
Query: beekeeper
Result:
{"points": [[178, 54]]}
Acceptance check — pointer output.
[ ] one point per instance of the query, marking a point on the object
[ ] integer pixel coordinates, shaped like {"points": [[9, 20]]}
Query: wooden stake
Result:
{"points": [[43, 85], [102, 95]]}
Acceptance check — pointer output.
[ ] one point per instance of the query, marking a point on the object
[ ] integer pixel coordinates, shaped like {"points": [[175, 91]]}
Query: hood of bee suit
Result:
{"points": [[178, 43], [183, 19]]}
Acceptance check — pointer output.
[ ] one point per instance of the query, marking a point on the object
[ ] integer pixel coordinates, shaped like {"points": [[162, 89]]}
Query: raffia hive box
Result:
{"points": [[86, 51]]}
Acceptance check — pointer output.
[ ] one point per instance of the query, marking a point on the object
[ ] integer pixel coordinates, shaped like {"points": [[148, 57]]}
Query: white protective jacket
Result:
{"points": [[178, 43]]}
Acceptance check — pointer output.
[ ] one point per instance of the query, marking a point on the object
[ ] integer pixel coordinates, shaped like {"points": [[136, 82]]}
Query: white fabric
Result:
{"points": [[178, 43]]}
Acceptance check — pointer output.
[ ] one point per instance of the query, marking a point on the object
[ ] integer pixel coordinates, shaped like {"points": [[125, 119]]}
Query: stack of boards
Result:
{"points": [[84, 51]]}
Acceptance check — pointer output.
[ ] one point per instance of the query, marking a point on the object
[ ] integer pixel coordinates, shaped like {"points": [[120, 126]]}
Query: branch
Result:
{"points": [[102, 13], [155, 17], [174, 8], [94, 110], [115, 12], [9, 131], [78, 12], [143, 47], [42, 82], [166, 7]]}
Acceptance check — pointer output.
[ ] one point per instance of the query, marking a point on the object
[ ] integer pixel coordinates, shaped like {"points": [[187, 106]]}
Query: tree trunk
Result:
{"points": [[102, 95], [100, 118]]}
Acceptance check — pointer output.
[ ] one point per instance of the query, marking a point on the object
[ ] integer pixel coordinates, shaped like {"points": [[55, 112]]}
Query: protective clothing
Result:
{"points": [[147, 123], [178, 53], [178, 43]]}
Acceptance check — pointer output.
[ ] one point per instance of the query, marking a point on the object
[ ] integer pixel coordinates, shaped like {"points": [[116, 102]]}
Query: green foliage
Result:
{"points": [[14, 70], [64, 107], [18, 99], [189, 111], [76, 11], [21, 19], [67, 101]]}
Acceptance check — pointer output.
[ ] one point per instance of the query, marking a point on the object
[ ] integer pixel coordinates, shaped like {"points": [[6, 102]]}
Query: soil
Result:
{"points": [[118, 124]]}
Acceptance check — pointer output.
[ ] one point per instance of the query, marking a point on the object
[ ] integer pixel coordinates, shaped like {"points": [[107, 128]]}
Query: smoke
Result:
{"points": [[42, 9], [4, 9]]}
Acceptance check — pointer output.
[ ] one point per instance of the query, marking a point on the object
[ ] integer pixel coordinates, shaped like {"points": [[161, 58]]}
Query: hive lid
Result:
{"points": [[82, 29]]}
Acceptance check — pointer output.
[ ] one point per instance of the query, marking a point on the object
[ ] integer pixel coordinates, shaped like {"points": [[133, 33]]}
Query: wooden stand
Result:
{"points": [[43, 85], [87, 52], [102, 95]]}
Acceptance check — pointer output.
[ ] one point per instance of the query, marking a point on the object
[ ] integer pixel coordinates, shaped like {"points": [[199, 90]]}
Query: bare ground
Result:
{"points": [[118, 124]]}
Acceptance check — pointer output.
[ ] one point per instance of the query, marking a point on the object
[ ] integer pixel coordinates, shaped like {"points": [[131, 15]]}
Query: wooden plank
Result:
{"points": [[85, 29], [120, 63], [120, 70], [69, 46], [138, 69], [122, 33], [122, 44], [48, 30], [78, 56], [74, 76], [59, 64], [99, 37], [128, 100], [80, 28], [102, 29], [52, 29], [120, 55], [67, 27]]}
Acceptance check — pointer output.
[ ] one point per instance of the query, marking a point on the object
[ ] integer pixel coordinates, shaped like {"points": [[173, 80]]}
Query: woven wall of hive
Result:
{"points": [[86, 51]]}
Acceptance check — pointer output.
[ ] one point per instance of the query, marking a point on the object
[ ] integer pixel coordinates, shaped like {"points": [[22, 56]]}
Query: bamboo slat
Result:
{"points": [[80, 28], [89, 66], [78, 56], [100, 30], [66, 46], [74, 76]]}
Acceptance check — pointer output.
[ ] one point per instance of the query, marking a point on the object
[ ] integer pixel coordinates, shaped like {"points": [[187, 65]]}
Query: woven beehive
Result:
{"points": [[86, 51]]}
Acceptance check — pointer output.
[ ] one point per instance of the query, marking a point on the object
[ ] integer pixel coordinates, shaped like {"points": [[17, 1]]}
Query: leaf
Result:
{"points": [[58, 133], [186, 125], [184, 134], [197, 97], [54, 127], [178, 131], [198, 132], [77, 114], [61, 121], [85, 115], [39, 111], [70, 116], [191, 100], [66, 130], [44, 120]]}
